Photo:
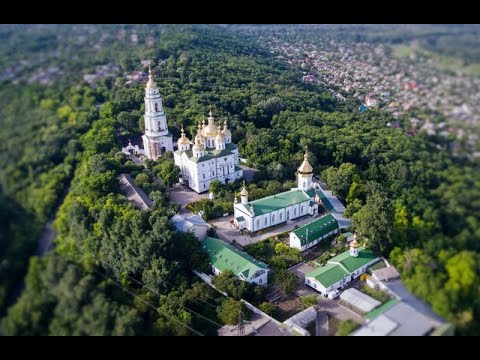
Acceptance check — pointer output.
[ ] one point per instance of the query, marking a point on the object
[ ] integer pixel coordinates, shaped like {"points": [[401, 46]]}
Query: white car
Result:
{"points": [[333, 294]]}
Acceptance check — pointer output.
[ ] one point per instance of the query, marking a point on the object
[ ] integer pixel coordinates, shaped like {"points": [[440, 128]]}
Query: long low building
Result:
{"points": [[311, 234], [226, 257], [341, 269]]}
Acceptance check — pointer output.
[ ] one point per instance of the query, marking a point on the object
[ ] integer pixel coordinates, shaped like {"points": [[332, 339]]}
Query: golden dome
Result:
{"points": [[226, 131], [354, 243], [151, 84], [305, 168], [183, 139], [211, 129], [244, 191], [197, 146], [220, 136]]}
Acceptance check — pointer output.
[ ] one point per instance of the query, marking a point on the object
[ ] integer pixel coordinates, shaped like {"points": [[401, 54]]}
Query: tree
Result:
{"points": [[230, 284], [229, 311], [286, 281], [340, 180], [215, 186], [169, 173], [267, 307], [374, 222]]}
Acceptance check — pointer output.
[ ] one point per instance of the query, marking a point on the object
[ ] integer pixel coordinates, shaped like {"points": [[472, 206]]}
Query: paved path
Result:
{"points": [[45, 242], [322, 324], [226, 232], [135, 159], [182, 195], [248, 172]]}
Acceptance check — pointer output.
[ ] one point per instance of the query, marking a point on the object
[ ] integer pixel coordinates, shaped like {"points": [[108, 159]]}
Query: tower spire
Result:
{"points": [[151, 83]]}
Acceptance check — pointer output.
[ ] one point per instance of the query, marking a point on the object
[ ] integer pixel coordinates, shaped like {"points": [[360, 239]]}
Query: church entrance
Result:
{"points": [[226, 181], [288, 215], [162, 150]]}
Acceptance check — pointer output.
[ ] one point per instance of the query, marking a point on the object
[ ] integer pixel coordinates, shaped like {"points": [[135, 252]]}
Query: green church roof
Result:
{"points": [[328, 274], [352, 263], [279, 201], [209, 153], [316, 229], [224, 256]]}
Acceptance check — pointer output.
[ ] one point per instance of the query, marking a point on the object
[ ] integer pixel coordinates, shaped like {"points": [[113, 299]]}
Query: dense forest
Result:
{"points": [[116, 270]]}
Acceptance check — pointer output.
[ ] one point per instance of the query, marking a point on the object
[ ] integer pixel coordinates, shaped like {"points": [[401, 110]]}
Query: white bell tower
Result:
{"points": [[354, 246], [156, 140], [244, 195], [305, 173]]}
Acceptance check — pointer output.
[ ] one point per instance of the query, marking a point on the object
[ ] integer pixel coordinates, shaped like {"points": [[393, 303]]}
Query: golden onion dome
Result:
{"points": [[197, 147], [183, 139], [354, 243], [211, 129], [220, 136], [151, 84], [226, 131], [305, 168], [244, 191]]}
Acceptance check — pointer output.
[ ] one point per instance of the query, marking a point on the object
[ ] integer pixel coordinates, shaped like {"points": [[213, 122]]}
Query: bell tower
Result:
{"points": [[156, 140], [305, 173]]}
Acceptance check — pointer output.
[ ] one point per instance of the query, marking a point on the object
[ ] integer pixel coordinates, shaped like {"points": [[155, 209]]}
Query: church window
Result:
{"points": [[294, 212], [273, 218], [258, 223], [301, 209], [204, 176], [304, 184], [281, 216], [265, 221], [156, 107], [213, 173], [159, 126], [260, 281]]}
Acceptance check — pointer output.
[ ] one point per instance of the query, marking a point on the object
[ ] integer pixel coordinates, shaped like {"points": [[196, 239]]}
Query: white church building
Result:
{"points": [[212, 156], [276, 209]]}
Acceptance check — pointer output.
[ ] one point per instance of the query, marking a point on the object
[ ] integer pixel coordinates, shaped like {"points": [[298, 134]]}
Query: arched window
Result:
{"points": [[156, 107], [301, 209], [295, 212], [304, 184], [159, 126], [265, 221], [273, 219], [281, 216], [258, 223]]}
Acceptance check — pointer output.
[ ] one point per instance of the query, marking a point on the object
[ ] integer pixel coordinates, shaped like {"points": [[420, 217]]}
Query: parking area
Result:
{"points": [[182, 195]]}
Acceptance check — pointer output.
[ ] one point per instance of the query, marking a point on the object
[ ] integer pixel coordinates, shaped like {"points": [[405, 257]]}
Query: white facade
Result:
{"points": [[297, 244], [260, 277], [279, 208], [212, 156], [156, 140]]}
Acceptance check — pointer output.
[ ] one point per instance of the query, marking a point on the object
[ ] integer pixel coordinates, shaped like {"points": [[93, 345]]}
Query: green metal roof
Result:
{"points": [[224, 256], [381, 309], [325, 201], [347, 234], [328, 275], [310, 193], [278, 201], [352, 263], [209, 153], [316, 229]]}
